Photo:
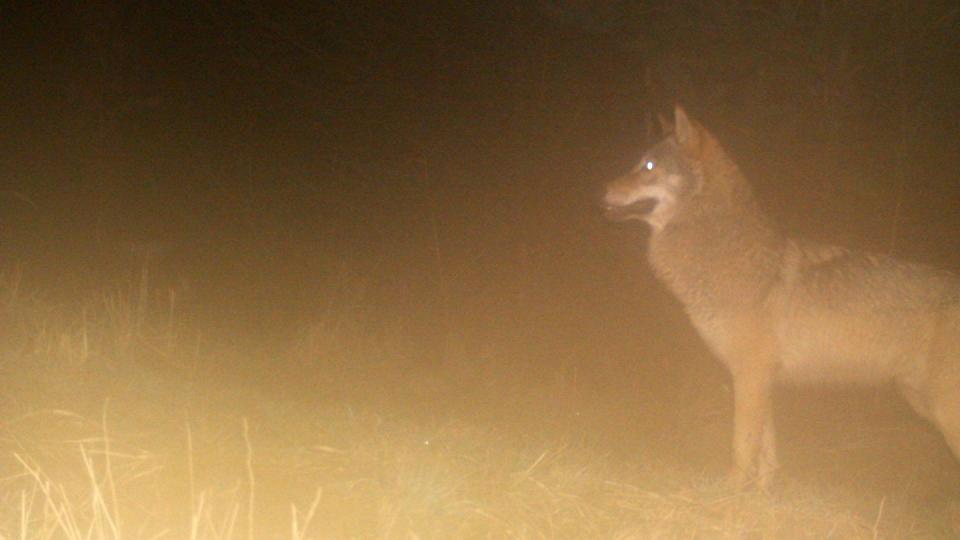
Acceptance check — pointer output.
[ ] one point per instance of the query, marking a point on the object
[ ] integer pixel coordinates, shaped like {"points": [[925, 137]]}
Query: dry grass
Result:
{"points": [[131, 454], [362, 475]]}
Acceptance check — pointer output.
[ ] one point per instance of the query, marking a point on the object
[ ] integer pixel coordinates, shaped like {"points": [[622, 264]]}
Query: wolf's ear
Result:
{"points": [[666, 126], [687, 131]]}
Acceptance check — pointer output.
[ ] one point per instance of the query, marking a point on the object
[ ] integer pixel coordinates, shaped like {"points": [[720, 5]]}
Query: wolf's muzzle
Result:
{"points": [[639, 209]]}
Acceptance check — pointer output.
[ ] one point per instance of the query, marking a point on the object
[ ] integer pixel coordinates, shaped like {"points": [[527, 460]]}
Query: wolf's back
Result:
{"points": [[847, 279]]}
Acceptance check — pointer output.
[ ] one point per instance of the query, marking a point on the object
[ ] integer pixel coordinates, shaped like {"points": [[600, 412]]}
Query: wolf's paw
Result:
{"points": [[737, 479], [740, 480]]}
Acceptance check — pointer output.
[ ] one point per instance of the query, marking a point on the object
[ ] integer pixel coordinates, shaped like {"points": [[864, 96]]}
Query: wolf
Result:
{"points": [[776, 309]]}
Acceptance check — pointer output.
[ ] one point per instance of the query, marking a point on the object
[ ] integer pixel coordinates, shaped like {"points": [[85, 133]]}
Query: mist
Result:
{"points": [[350, 258]]}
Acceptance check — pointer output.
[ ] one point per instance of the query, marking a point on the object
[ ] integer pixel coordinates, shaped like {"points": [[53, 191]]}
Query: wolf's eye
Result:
{"points": [[648, 165]]}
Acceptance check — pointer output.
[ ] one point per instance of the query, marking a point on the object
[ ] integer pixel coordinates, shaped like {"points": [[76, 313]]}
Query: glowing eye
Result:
{"points": [[648, 165]]}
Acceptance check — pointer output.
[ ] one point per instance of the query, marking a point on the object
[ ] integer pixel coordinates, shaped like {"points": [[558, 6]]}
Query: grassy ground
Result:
{"points": [[352, 474], [121, 420]]}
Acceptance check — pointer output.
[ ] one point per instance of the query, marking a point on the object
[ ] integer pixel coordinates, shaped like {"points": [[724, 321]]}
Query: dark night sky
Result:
{"points": [[382, 131]]}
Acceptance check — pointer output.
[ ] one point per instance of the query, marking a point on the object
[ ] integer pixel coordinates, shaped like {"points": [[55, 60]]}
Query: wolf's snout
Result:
{"points": [[636, 210]]}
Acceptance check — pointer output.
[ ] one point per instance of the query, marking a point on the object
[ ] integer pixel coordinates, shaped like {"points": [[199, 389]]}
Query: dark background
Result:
{"points": [[426, 174]]}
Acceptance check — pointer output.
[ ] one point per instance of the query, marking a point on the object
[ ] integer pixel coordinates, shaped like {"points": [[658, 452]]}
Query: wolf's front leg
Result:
{"points": [[754, 453], [767, 463]]}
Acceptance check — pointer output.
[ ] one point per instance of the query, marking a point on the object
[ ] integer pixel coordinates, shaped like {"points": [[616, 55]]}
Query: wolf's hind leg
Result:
{"points": [[946, 415]]}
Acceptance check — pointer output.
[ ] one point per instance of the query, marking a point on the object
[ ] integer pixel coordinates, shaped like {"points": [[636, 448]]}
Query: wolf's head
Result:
{"points": [[671, 177]]}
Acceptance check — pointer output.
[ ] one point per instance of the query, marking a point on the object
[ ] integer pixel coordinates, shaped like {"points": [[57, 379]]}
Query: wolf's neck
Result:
{"points": [[718, 259]]}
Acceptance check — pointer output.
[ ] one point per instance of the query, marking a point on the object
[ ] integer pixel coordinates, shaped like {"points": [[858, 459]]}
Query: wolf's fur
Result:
{"points": [[777, 308]]}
